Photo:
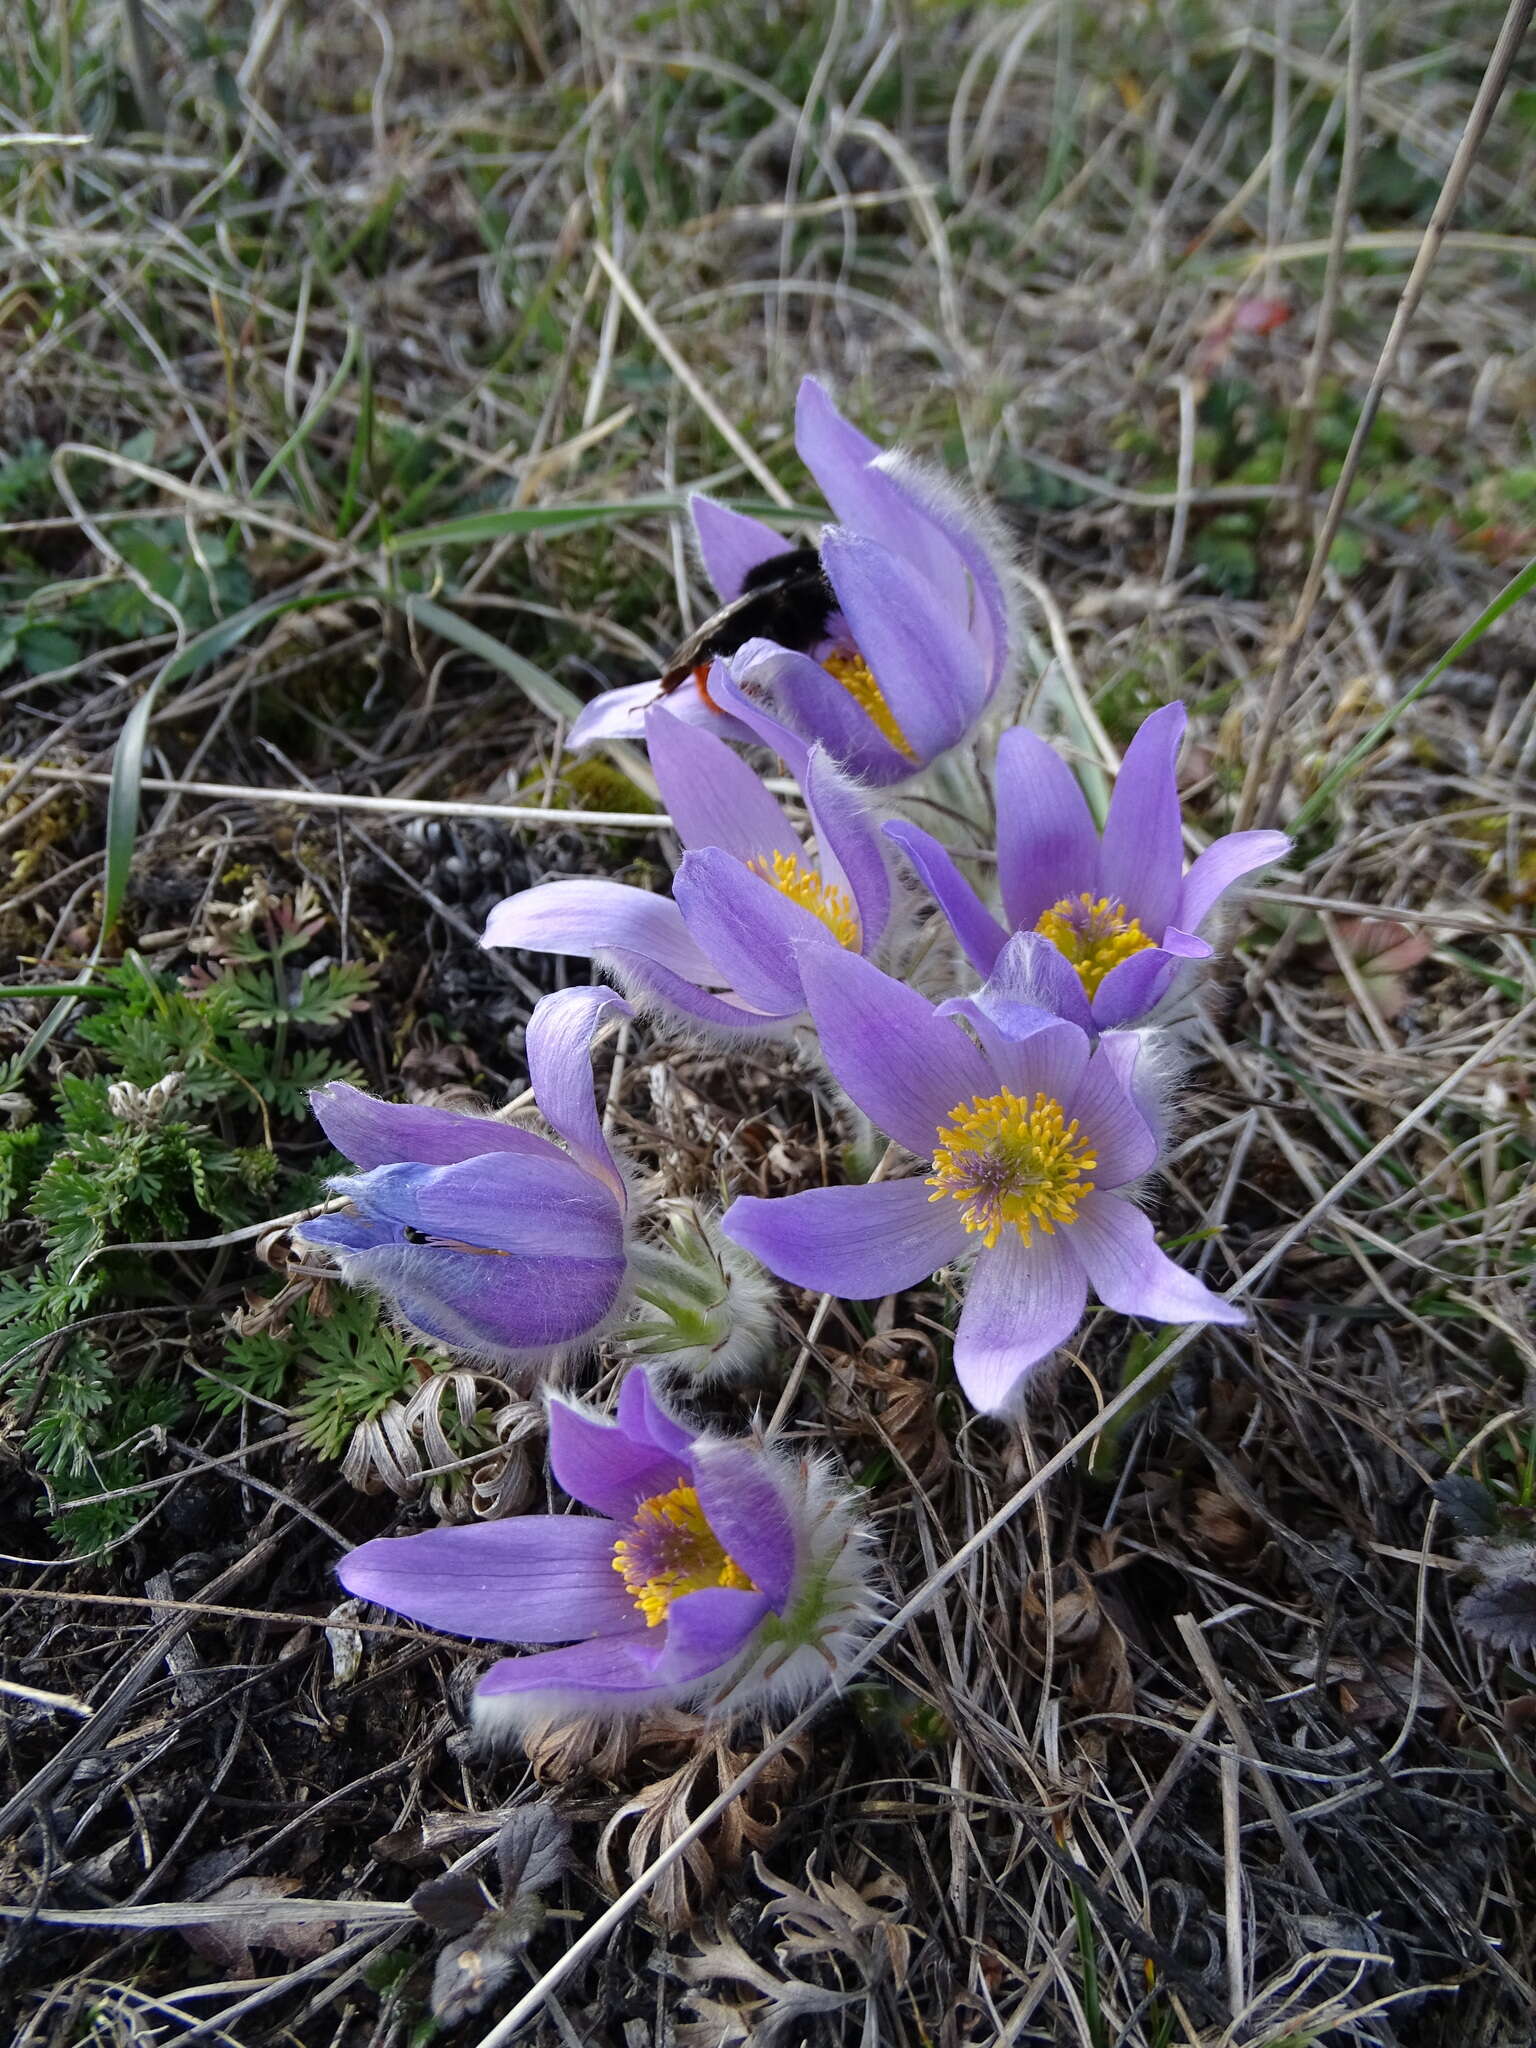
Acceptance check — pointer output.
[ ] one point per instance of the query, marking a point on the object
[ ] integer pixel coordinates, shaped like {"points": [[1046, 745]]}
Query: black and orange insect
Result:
{"points": [[786, 599]]}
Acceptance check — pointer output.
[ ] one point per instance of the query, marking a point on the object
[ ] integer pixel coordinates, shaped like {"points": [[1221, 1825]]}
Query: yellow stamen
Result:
{"points": [[1012, 1162], [857, 678], [671, 1550], [802, 885], [1095, 935]]}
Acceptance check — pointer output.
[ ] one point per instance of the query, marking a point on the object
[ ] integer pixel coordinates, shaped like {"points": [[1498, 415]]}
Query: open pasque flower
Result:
{"points": [[721, 952], [481, 1234], [711, 1573], [1116, 919], [1033, 1137], [912, 641]]}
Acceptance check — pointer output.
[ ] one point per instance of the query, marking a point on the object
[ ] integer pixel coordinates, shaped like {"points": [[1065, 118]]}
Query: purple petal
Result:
{"points": [[1138, 985], [525, 1208], [1116, 1243], [1224, 862], [1047, 847], [604, 1466], [869, 500], [620, 715], [761, 721], [848, 843], [744, 1504], [1141, 860], [721, 1013], [586, 918], [1032, 974], [647, 1419], [924, 662], [1124, 1144], [615, 715], [978, 547], [531, 1579], [713, 797], [731, 544], [981, 936], [582, 1677], [747, 927], [1140, 1077], [344, 1233], [998, 1029], [1019, 1306], [705, 1630], [703, 1633], [373, 1133], [904, 1065], [816, 704], [559, 1052], [487, 1304], [862, 1242], [1050, 1058]]}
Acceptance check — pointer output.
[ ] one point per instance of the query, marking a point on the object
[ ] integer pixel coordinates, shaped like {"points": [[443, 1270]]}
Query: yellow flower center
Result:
{"points": [[671, 1550], [802, 885], [1095, 935], [857, 678], [1012, 1162]]}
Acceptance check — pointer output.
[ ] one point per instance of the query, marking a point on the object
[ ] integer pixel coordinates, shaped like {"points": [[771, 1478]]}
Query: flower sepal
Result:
{"points": [[703, 1307]]}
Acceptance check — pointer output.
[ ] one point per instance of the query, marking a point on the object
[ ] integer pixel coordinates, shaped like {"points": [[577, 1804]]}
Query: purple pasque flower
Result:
{"points": [[1116, 918], [722, 951], [918, 635], [483, 1235], [710, 1572], [1035, 1140]]}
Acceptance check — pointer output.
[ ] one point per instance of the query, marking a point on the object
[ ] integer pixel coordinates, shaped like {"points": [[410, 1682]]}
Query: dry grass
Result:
{"points": [[1174, 1737]]}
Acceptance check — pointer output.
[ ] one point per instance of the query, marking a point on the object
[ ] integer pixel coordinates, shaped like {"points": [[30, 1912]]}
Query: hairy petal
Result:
{"points": [[527, 1208], [1131, 1274], [1124, 1144], [1032, 974], [1141, 862], [904, 1064], [559, 1054], [647, 1419], [744, 1505], [731, 544], [704, 1632], [529, 1579], [870, 501], [373, 1133], [848, 844], [1049, 1058], [720, 1011], [1019, 1306], [489, 1304], [981, 936], [1128, 992], [925, 663], [712, 796], [1047, 847], [1224, 862], [604, 1466], [587, 917], [816, 705], [862, 1242], [748, 928]]}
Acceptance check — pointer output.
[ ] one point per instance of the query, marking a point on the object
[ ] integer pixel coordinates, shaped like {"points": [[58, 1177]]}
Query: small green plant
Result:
{"points": [[160, 1130], [348, 1365]]}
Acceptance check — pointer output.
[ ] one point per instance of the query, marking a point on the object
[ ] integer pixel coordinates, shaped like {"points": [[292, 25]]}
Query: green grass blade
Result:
{"points": [[1320, 797], [552, 698], [474, 527]]}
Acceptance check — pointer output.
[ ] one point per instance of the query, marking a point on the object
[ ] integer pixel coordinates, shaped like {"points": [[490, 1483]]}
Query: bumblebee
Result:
{"points": [[786, 598]]}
